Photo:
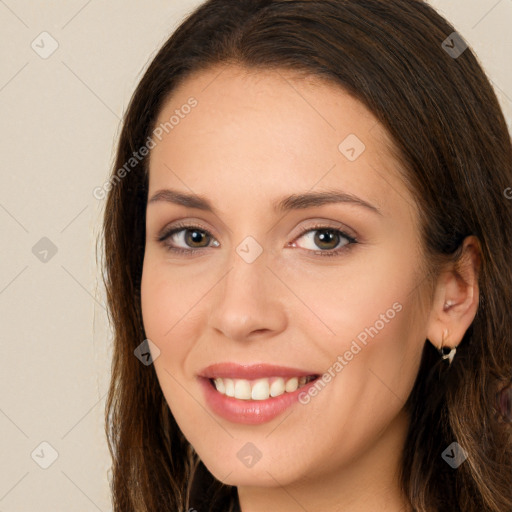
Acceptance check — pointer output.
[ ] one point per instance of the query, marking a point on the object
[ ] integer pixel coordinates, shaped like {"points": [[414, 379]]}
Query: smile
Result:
{"points": [[253, 394], [259, 389]]}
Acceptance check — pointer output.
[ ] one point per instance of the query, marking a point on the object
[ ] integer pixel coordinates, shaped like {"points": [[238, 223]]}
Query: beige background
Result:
{"points": [[60, 119]]}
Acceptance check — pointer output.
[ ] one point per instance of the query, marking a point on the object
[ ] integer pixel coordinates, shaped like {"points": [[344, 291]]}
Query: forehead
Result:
{"points": [[265, 134]]}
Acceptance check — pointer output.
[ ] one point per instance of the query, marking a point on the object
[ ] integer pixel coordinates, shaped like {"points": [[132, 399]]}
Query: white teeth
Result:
{"points": [[219, 384], [242, 389], [292, 384], [259, 389], [230, 387], [277, 387]]}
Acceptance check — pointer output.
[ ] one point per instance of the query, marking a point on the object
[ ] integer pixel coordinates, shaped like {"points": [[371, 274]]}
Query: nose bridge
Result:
{"points": [[247, 298], [249, 255], [247, 276]]}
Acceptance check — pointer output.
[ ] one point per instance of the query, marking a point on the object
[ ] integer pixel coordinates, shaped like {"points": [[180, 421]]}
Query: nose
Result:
{"points": [[249, 300]]}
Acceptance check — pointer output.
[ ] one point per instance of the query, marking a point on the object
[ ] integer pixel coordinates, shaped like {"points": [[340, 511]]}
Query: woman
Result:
{"points": [[307, 247]]}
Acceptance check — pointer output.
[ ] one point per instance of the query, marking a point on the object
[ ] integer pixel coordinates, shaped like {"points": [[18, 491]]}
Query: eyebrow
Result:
{"points": [[292, 202]]}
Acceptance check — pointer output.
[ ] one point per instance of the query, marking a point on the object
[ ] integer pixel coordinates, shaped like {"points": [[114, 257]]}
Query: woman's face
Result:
{"points": [[257, 288]]}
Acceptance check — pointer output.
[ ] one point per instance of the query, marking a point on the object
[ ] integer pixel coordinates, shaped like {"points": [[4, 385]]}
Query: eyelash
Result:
{"points": [[190, 227]]}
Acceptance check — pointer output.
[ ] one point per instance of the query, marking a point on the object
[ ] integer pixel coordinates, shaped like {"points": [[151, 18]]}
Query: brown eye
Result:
{"points": [[326, 238], [186, 238], [194, 237]]}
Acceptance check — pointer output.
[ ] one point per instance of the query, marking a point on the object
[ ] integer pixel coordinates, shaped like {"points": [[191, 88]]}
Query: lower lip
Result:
{"points": [[249, 412]]}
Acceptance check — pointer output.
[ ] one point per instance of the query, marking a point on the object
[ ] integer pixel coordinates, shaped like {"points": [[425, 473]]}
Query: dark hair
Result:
{"points": [[453, 142]]}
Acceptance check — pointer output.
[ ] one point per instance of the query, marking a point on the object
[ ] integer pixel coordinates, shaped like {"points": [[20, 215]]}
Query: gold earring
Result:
{"points": [[447, 352]]}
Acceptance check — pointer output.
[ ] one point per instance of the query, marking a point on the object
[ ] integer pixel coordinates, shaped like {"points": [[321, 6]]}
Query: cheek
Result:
{"points": [[165, 297], [162, 309], [155, 303], [162, 312], [364, 289], [368, 385], [372, 330], [380, 359]]}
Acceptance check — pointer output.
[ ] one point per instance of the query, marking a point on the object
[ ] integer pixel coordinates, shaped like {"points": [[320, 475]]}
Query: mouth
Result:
{"points": [[253, 394], [259, 389]]}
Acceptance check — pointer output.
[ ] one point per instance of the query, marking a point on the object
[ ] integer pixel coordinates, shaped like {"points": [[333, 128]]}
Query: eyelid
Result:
{"points": [[179, 225], [317, 224], [328, 224], [341, 229], [351, 240]]}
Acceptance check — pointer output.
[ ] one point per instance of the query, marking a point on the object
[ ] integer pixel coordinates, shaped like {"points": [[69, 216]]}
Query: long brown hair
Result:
{"points": [[453, 142]]}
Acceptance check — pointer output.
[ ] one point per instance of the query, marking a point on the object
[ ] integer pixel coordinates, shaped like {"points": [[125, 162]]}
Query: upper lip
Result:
{"points": [[252, 371]]}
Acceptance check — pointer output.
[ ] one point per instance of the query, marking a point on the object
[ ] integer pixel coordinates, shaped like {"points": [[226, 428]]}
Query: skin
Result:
{"points": [[255, 137]]}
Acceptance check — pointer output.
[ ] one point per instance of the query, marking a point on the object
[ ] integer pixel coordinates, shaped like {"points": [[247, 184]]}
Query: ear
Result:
{"points": [[456, 297]]}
